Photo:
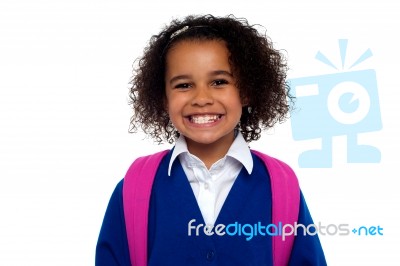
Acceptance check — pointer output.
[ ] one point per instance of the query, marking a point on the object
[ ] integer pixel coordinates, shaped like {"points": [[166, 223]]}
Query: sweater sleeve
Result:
{"points": [[307, 249], [112, 245]]}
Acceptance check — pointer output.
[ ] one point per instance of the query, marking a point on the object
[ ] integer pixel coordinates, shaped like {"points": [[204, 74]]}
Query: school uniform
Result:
{"points": [[183, 191]]}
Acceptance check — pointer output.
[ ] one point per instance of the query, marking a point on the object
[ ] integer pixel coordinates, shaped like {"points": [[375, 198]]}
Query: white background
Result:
{"points": [[65, 68]]}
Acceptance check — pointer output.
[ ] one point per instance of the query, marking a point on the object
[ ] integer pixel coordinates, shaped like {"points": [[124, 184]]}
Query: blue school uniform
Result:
{"points": [[173, 206]]}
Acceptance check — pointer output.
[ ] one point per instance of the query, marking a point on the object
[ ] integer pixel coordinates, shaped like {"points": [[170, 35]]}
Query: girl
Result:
{"points": [[209, 84]]}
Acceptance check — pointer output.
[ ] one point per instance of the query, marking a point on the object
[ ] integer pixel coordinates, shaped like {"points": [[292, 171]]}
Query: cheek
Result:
{"points": [[172, 105], [176, 99], [236, 102], [238, 108]]}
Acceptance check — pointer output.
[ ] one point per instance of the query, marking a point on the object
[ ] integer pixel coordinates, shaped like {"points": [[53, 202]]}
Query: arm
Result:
{"points": [[112, 245]]}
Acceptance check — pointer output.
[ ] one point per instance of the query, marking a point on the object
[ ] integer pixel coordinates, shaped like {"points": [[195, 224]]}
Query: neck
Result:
{"points": [[210, 153]]}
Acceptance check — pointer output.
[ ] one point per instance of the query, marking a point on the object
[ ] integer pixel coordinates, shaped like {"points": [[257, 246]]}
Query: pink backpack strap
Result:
{"points": [[136, 192], [285, 204]]}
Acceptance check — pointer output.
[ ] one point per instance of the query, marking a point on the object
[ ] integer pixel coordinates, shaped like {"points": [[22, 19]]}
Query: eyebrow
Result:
{"points": [[212, 73]]}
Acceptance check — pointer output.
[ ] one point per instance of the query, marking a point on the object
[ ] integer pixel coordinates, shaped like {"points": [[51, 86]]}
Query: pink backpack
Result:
{"points": [[136, 198]]}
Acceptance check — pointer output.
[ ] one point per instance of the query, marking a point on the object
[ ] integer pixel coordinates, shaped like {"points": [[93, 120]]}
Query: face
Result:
{"points": [[202, 99]]}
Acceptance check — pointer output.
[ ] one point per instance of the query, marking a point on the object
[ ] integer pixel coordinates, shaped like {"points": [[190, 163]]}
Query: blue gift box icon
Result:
{"points": [[344, 103]]}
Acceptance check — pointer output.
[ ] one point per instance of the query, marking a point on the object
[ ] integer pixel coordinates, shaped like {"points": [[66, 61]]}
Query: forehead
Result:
{"points": [[196, 43], [190, 52]]}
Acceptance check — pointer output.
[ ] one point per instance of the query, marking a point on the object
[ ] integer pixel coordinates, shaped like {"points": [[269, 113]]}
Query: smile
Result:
{"points": [[204, 119]]}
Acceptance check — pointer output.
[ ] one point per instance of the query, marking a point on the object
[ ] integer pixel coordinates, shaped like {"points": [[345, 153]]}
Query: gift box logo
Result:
{"points": [[343, 103]]}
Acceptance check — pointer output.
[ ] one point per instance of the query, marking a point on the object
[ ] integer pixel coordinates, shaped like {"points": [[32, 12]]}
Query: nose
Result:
{"points": [[202, 96]]}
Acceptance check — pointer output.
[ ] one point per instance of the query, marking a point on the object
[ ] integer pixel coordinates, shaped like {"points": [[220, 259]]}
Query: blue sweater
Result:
{"points": [[173, 206]]}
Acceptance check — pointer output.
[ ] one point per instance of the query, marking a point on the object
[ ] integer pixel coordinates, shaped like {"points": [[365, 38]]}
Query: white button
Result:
{"points": [[206, 186]]}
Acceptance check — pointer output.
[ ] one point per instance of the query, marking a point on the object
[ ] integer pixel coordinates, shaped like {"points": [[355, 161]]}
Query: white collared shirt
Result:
{"points": [[211, 186]]}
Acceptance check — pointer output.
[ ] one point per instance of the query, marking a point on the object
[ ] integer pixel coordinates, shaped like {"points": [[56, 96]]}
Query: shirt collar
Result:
{"points": [[239, 150]]}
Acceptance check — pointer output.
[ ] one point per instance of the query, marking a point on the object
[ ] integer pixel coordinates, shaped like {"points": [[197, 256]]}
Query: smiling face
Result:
{"points": [[202, 99]]}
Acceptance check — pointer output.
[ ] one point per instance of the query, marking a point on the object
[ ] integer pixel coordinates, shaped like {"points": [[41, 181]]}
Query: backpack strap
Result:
{"points": [[137, 187], [136, 192], [285, 204]]}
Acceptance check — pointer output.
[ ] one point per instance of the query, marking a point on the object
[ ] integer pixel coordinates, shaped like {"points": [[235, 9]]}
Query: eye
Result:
{"points": [[183, 86], [219, 82]]}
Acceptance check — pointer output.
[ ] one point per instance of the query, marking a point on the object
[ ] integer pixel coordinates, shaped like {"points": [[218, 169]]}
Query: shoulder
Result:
{"points": [[144, 163], [150, 158], [272, 162], [142, 171], [281, 174]]}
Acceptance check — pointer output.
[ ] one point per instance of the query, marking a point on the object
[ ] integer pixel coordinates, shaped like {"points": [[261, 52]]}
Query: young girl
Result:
{"points": [[209, 84]]}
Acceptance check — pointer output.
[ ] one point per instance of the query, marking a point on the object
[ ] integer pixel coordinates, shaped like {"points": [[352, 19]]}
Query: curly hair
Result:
{"points": [[260, 72]]}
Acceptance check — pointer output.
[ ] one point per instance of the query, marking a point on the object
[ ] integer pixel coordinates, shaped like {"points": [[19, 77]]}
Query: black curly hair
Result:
{"points": [[260, 72]]}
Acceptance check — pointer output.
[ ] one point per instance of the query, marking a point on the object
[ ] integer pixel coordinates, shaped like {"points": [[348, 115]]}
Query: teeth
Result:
{"points": [[204, 119]]}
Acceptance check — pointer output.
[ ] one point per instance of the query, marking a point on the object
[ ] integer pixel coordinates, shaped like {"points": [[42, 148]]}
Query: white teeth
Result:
{"points": [[204, 119]]}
